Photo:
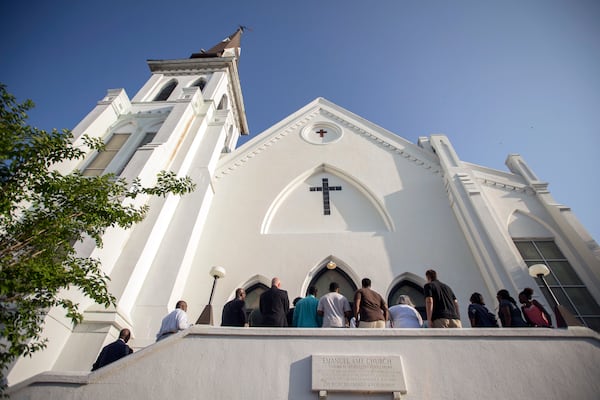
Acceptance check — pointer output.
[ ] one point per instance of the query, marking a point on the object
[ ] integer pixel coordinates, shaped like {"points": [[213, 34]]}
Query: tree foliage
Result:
{"points": [[43, 213]]}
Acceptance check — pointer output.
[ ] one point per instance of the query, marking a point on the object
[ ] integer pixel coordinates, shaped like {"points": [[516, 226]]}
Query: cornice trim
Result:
{"points": [[231, 165]]}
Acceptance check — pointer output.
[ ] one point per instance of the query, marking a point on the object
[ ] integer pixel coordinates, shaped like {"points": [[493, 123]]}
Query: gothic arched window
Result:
{"points": [[223, 103], [325, 276], [103, 158], [227, 145], [253, 298], [411, 289], [166, 91], [253, 294], [200, 83], [146, 138]]}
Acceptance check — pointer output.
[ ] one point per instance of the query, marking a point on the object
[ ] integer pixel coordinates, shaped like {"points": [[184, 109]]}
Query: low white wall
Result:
{"points": [[264, 363]]}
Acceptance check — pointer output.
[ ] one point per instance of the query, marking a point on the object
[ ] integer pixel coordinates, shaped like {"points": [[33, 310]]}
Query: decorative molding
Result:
{"points": [[118, 100], [189, 66], [381, 142], [468, 183], [507, 187], [111, 95], [234, 164], [188, 72], [435, 169], [152, 112], [447, 188]]}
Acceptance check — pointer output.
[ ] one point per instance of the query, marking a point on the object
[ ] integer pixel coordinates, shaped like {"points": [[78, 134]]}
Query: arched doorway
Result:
{"points": [[325, 276], [253, 293], [411, 289]]}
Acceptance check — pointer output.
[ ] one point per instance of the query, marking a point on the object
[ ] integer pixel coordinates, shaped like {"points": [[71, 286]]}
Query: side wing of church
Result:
{"points": [[324, 195]]}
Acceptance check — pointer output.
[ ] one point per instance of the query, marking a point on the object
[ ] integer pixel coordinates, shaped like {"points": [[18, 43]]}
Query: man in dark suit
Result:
{"points": [[234, 311], [274, 305], [112, 352]]}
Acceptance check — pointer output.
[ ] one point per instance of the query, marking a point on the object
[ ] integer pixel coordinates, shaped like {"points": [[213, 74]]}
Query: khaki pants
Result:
{"points": [[372, 324], [446, 323]]}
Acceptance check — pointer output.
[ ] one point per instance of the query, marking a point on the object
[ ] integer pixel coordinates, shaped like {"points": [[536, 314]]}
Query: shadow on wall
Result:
{"points": [[300, 379]]}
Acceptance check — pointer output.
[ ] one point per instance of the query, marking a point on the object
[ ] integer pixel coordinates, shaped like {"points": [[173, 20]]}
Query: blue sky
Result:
{"points": [[497, 77]]}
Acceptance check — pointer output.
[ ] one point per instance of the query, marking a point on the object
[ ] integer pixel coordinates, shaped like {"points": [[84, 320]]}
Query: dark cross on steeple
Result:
{"points": [[325, 189], [321, 132]]}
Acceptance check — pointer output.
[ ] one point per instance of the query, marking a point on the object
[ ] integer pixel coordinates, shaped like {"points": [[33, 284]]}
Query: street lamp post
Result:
{"points": [[564, 318], [206, 318]]}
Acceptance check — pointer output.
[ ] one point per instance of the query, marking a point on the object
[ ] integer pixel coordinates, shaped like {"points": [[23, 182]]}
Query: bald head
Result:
{"points": [[275, 282], [240, 293], [125, 334]]}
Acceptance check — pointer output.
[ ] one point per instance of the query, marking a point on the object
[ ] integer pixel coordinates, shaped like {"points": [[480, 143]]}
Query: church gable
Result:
{"points": [[325, 170], [323, 124]]}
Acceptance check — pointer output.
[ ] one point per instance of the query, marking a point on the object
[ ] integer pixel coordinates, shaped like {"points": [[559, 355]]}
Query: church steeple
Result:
{"points": [[214, 71], [230, 46]]}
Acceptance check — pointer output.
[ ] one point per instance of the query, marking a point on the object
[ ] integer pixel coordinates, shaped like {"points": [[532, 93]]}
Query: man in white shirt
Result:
{"points": [[334, 308], [175, 321]]}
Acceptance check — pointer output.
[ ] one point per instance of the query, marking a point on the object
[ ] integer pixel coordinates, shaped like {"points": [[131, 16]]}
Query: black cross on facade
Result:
{"points": [[321, 132], [325, 188]]}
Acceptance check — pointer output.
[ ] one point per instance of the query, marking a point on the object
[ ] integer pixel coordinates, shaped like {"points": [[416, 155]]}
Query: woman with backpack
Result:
{"points": [[479, 315], [508, 312]]}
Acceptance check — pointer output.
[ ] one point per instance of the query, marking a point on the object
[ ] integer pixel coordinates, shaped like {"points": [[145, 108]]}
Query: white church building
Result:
{"points": [[324, 195]]}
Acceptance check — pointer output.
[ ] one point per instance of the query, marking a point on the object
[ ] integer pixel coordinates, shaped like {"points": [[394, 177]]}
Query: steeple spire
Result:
{"points": [[230, 46]]}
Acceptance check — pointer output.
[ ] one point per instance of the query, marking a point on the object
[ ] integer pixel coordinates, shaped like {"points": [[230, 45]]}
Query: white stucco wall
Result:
{"points": [[391, 217], [255, 363]]}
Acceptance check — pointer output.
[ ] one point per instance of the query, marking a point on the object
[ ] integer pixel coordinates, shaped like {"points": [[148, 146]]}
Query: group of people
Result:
{"points": [[333, 310], [531, 313], [368, 310]]}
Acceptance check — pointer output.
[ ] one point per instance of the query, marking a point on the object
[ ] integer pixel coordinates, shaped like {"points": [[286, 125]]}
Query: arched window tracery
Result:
{"points": [[166, 91]]}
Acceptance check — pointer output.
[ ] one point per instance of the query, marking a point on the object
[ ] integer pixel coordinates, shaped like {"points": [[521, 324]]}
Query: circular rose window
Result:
{"points": [[321, 133]]}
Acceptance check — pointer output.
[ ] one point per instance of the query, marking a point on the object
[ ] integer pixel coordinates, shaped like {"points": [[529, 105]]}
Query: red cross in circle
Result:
{"points": [[321, 132]]}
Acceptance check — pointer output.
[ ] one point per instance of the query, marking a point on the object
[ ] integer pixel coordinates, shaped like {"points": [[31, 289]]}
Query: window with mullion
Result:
{"points": [[97, 166], [565, 284]]}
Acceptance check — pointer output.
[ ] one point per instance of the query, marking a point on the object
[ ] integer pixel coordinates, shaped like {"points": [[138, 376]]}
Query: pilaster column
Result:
{"points": [[486, 236]]}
